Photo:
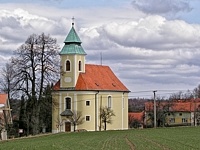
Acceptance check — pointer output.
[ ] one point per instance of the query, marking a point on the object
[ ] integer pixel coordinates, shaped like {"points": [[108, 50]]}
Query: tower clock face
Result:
{"points": [[68, 79]]}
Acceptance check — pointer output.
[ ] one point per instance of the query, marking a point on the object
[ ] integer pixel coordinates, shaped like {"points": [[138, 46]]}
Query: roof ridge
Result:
{"points": [[97, 65]]}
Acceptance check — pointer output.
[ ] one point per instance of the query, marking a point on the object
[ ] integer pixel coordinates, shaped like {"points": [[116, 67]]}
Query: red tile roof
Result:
{"points": [[97, 77], [57, 86], [180, 105], [3, 98], [136, 116]]}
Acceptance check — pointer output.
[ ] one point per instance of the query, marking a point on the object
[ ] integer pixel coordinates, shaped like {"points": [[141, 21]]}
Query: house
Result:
{"points": [[5, 115], [174, 113], [136, 119], [85, 88]]}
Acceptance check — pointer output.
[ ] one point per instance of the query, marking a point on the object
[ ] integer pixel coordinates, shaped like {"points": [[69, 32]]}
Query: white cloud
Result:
{"points": [[141, 49], [150, 50], [152, 32], [16, 25]]}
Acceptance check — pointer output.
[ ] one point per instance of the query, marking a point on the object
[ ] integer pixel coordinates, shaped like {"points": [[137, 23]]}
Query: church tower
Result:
{"points": [[72, 60]]}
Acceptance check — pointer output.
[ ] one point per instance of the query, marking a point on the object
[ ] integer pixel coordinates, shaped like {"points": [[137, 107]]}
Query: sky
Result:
{"points": [[149, 44]]}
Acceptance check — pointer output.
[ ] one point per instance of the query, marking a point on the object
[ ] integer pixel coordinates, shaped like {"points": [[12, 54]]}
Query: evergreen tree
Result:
{"points": [[46, 109], [23, 122]]}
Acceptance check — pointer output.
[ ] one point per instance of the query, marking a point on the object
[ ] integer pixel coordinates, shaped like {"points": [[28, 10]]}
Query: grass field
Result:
{"points": [[182, 138]]}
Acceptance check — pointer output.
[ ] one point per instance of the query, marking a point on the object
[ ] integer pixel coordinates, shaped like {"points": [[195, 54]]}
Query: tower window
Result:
{"points": [[79, 66], [68, 103], [109, 101], [67, 65]]}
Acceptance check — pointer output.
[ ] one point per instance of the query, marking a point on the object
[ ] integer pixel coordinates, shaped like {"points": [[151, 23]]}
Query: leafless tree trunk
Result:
{"points": [[7, 79], [35, 65], [77, 119]]}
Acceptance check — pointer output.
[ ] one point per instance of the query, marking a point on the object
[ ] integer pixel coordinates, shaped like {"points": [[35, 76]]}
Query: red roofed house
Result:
{"points": [[5, 114], [85, 88], [179, 112], [136, 119]]}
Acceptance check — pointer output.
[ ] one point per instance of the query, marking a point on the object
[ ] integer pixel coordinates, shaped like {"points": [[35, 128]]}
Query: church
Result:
{"points": [[86, 88]]}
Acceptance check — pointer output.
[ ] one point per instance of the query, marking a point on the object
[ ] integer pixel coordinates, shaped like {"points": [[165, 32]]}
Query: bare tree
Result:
{"points": [[76, 119], [196, 91], [176, 96], [106, 115], [7, 80], [163, 107], [188, 95], [183, 95], [35, 65], [59, 123]]}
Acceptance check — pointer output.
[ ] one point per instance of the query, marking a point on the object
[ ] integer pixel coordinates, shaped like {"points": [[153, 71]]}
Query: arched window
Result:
{"points": [[67, 65], [79, 66], [68, 103], [109, 101]]}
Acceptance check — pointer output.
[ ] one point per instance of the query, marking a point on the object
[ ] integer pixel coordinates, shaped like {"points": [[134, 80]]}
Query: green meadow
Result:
{"points": [[180, 138]]}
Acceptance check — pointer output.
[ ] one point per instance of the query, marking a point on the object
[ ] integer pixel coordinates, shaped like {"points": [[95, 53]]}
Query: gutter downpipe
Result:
{"points": [[96, 110]]}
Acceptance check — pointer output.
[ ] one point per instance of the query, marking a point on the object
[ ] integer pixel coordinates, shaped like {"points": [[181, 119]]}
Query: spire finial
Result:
{"points": [[73, 21]]}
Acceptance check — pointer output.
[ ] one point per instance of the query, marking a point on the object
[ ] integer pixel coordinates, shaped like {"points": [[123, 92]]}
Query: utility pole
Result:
{"points": [[154, 107]]}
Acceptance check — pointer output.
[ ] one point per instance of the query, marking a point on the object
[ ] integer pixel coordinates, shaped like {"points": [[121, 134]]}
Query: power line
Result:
{"points": [[163, 92], [181, 90]]}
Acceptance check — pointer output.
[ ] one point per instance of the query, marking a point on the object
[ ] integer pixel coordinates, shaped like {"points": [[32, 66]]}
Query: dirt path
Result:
{"points": [[131, 145]]}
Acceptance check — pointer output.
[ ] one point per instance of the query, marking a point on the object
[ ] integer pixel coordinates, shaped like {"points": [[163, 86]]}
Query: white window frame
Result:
{"points": [[80, 67], [109, 101], [70, 66], [86, 118], [184, 120], [86, 103], [70, 102]]}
